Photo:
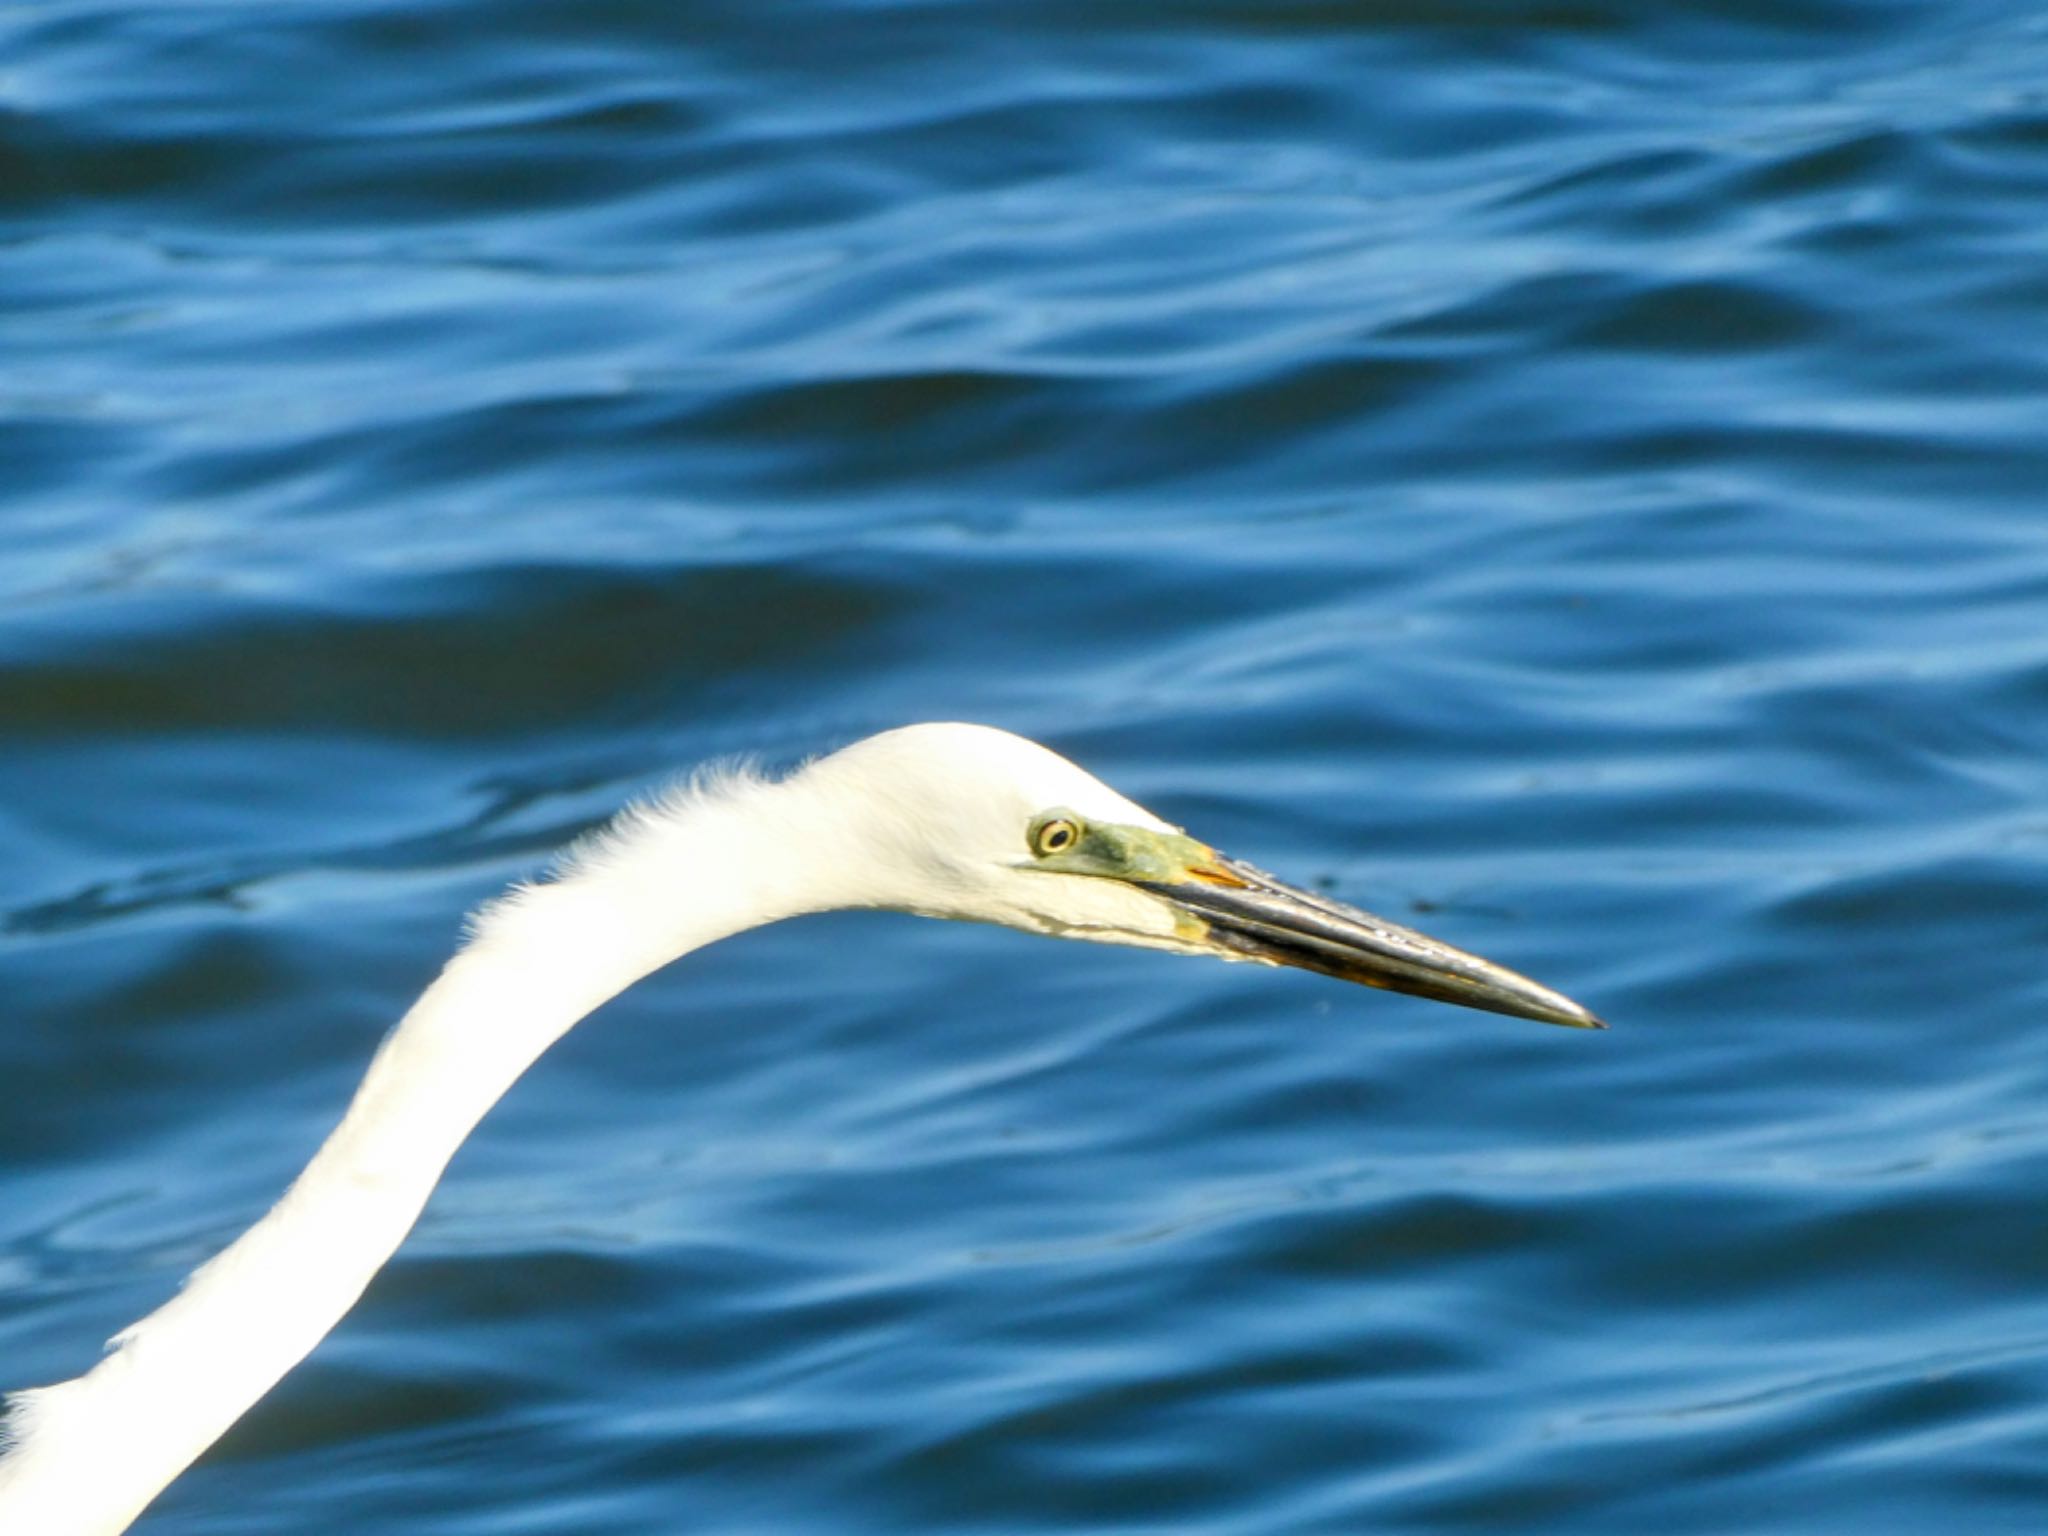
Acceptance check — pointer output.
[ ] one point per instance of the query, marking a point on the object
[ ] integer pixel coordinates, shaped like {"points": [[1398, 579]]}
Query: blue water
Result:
{"points": [[1569, 476]]}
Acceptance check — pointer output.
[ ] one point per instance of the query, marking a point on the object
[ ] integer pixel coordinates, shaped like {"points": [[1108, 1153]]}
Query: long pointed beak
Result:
{"points": [[1248, 914]]}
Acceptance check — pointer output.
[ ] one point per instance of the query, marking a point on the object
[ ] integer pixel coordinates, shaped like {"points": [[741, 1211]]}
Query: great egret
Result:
{"points": [[957, 821]]}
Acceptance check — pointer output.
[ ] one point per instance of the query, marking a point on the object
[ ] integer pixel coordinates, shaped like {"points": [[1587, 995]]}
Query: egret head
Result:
{"points": [[964, 821]]}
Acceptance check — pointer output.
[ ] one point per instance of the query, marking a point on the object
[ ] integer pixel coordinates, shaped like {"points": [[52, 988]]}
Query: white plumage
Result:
{"points": [[933, 819]]}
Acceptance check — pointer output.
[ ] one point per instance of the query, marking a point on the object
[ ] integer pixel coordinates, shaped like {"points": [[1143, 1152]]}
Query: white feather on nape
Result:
{"points": [[18, 1414], [622, 836]]}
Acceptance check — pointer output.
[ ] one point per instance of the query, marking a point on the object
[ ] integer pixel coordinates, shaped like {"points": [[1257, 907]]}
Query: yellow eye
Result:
{"points": [[1054, 836]]}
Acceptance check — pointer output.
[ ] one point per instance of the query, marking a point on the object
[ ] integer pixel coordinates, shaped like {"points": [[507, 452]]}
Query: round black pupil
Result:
{"points": [[1057, 838]]}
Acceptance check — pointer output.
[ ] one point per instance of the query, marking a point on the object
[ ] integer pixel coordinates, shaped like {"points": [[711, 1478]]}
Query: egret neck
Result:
{"points": [[91, 1453]]}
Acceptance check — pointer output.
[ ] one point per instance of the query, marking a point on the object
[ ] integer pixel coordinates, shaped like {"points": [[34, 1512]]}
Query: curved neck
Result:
{"points": [[89, 1454]]}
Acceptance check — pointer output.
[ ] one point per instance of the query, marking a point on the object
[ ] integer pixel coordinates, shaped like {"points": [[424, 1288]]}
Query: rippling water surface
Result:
{"points": [[1568, 475]]}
